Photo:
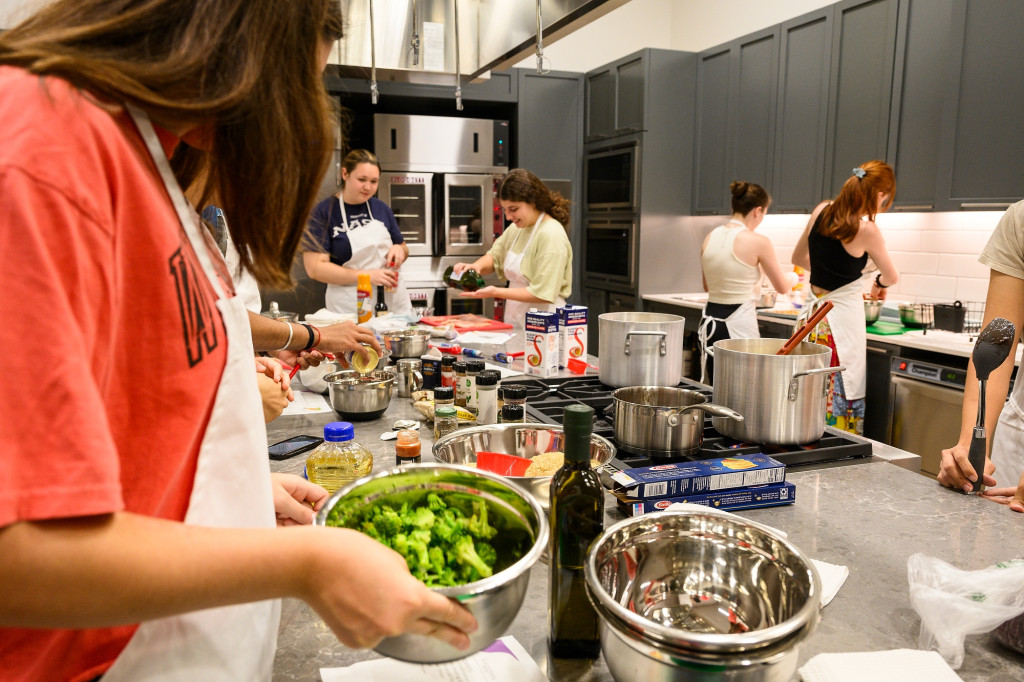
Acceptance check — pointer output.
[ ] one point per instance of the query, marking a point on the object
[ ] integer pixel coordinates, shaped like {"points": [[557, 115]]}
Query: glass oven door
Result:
{"points": [[609, 248], [411, 200], [468, 214], [610, 183], [465, 305]]}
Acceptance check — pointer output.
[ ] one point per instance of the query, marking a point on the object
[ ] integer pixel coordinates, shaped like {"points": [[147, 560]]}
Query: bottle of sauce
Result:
{"points": [[382, 307], [469, 280], [577, 518], [407, 448], [363, 292], [339, 459]]}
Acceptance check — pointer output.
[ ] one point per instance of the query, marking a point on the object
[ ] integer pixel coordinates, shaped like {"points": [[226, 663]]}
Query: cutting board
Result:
{"points": [[883, 328], [465, 323]]}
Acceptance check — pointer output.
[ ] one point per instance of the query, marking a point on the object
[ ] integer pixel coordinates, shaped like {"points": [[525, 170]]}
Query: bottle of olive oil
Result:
{"points": [[577, 518]]}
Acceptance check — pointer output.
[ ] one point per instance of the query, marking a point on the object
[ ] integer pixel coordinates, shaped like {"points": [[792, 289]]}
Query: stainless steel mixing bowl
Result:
{"points": [[700, 587], [525, 440], [872, 309], [360, 397], [494, 601]]}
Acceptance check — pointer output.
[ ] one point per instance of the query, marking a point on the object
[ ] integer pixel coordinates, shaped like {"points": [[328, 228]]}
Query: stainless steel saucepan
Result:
{"points": [[663, 421]]}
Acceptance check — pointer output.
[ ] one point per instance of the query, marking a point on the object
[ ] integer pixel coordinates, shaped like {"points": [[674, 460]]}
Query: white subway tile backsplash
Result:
{"points": [[959, 241], [902, 240], [916, 263], [928, 287], [971, 289], [962, 265]]}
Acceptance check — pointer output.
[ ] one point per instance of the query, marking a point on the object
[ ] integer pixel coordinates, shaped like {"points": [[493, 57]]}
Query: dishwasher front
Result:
{"points": [[927, 400]]}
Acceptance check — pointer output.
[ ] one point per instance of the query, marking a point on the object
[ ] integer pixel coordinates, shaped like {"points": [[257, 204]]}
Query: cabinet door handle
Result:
{"points": [[877, 351], [914, 207], [995, 205]]}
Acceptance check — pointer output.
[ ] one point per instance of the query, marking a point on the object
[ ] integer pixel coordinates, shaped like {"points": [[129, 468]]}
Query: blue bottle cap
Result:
{"points": [[336, 432]]}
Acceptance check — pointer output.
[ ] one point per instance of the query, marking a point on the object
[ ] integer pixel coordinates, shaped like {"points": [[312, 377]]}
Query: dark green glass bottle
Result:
{"points": [[577, 518], [469, 280]]}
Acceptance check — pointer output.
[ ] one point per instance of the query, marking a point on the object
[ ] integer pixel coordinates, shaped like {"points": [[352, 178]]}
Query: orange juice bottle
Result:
{"points": [[363, 292]]}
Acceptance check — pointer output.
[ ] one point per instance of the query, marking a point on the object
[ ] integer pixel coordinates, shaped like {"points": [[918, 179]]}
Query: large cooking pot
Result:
{"points": [[781, 396], [662, 421], [640, 349]]}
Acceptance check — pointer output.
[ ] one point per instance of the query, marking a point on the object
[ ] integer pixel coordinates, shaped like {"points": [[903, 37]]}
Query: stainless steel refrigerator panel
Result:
{"points": [[410, 196], [441, 144]]}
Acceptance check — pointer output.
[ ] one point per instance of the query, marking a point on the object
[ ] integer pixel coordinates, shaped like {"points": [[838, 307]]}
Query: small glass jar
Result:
{"points": [[447, 371], [487, 397], [473, 369], [407, 448], [460, 383], [444, 395], [445, 421], [514, 394], [511, 413]]}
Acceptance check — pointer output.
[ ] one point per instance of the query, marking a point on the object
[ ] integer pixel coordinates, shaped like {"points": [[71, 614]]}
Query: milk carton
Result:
{"points": [[541, 350], [572, 334]]}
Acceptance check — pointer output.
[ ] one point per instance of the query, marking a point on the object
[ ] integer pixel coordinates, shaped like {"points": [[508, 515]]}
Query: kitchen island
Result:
{"points": [[866, 514]]}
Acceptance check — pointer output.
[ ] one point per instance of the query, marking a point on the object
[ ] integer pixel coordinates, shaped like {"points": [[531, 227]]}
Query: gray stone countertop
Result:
{"points": [[869, 517]]}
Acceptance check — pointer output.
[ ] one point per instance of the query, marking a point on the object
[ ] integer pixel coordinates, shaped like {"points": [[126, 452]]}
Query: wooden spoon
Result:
{"points": [[803, 331]]}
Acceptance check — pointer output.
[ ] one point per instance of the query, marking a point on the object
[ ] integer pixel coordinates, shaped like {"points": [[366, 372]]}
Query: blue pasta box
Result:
{"points": [[739, 498], [687, 478], [541, 350], [572, 334]]}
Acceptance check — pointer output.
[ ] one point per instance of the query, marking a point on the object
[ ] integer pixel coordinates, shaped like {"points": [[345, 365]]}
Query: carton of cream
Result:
{"points": [[541, 350], [572, 334]]}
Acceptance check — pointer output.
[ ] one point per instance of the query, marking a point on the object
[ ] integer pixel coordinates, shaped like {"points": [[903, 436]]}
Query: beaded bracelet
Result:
{"points": [[289, 341], [878, 282], [312, 338]]}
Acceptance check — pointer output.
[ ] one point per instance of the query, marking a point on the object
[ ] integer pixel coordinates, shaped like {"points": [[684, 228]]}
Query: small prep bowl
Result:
{"points": [[406, 343], [872, 309], [494, 601], [360, 397], [675, 589], [917, 315], [525, 440]]}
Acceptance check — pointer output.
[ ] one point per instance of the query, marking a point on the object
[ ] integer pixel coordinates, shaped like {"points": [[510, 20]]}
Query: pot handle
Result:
{"points": [[710, 408], [791, 395], [662, 346]]}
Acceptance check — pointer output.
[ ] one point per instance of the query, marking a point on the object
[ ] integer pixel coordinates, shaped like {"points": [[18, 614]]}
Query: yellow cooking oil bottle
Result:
{"points": [[339, 460]]}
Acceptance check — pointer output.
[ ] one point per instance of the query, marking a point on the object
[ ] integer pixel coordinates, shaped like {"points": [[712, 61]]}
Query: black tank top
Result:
{"points": [[831, 265]]}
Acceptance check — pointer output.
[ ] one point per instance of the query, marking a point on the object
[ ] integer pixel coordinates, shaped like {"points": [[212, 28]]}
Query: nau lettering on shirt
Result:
{"points": [[197, 320], [353, 223]]}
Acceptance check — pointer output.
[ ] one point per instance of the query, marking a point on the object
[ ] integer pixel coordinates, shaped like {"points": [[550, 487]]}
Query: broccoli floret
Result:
{"points": [[400, 543], [448, 526], [478, 525], [369, 529], [419, 544], [487, 553], [421, 518], [435, 503], [466, 555], [387, 521]]}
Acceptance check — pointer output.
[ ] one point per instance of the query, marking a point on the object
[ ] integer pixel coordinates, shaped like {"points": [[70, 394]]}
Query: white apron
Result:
{"points": [[370, 244], [231, 489], [515, 311], [1008, 439], [849, 333], [741, 324]]}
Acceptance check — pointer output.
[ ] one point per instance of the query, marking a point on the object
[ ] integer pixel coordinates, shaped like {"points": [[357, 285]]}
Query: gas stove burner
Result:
{"points": [[656, 456]]}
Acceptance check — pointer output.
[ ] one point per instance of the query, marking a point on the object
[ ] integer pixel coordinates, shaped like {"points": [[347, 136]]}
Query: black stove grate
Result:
{"points": [[547, 398]]}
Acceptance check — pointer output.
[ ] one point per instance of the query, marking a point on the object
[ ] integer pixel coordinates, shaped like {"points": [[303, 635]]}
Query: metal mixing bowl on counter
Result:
{"points": [[917, 315], [407, 343], [695, 596], [872, 309], [525, 440], [494, 601], [360, 397]]}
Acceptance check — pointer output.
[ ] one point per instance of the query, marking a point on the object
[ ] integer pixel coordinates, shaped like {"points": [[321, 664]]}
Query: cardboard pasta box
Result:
{"points": [[686, 478], [729, 500]]}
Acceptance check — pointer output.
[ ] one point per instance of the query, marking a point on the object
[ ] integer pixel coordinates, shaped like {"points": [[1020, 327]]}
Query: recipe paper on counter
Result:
{"points": [[503, 661]]}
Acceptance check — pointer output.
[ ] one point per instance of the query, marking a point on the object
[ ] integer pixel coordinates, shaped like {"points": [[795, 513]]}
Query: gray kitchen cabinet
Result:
{"points": [[802, 111], [982, 160], [863, 54], [920, 84], [596, 301], [621, 96], [549, 141], [736, 90]]}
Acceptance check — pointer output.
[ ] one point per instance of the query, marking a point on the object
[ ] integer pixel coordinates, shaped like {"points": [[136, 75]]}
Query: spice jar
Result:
{"points": [[445, 421], [511, 413], [407, 448], [444, 395], [447, 371], [473, 369], [514, 394], [460, 383], [487, 397]]}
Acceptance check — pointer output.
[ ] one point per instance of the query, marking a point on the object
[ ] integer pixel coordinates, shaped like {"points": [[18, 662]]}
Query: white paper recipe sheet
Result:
{"points": [[503, 661]]}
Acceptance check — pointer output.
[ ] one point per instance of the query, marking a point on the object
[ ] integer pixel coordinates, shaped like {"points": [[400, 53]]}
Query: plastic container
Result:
{"points": [[445, 421], [447, 371], [339, 460], [407, 448], [511, 413], [473, 369]]}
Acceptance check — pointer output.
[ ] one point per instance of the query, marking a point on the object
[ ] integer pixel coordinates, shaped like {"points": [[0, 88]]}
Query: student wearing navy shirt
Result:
{"points": [[355, 233]]}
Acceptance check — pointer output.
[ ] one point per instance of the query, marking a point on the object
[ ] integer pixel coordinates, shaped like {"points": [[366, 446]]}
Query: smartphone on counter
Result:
{"points": [[293, 446]]}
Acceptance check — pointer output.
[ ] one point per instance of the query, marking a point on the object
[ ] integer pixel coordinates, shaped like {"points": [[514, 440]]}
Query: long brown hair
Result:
{"points": [[522, 185], [858, 197], [246, 70]]}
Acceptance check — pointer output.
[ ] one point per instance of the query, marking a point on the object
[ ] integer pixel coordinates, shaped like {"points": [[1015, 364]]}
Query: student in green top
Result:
{"points": [[535, 256]]}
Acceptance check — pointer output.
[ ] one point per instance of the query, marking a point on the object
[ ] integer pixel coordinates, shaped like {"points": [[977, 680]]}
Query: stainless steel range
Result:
{"points": [[546, 398]]}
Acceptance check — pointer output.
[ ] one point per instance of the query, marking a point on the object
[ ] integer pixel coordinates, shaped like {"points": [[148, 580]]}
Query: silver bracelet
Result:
{"points": [[289, 341]]}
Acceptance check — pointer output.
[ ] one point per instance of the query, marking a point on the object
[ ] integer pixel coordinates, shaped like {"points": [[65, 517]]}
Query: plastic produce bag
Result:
{"points": [[953, 603]]}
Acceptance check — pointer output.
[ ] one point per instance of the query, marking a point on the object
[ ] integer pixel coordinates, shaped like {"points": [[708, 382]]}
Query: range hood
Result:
{"points": [[414, 40]]}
